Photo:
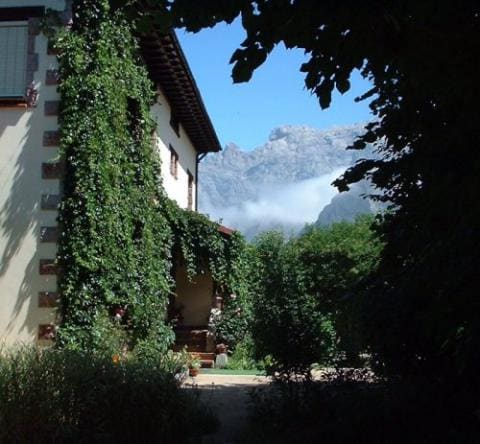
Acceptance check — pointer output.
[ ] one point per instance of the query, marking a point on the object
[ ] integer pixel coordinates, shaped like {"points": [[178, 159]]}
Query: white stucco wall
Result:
{"points": [[176, 189], [21, 188]]}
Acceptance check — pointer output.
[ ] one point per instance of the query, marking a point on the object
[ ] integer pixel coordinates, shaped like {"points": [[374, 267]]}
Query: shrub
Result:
{"points": [[305, 309], [288, 323], [67, 396], [336, 260], [243, 356], [353, 408]]}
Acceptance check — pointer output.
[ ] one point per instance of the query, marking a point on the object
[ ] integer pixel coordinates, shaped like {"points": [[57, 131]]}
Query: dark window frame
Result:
{"points": [[173, 162], [191, 182], [175, 123]]}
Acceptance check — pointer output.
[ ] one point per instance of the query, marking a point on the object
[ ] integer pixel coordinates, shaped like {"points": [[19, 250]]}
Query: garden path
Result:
{"points": [[228, 396]]}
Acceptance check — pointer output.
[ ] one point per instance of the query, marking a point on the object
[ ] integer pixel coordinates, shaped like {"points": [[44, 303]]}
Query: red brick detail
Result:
{"points": [[51, 107], [51, 50], [48, 267], [52, 77], [48, 299], [50, 201], [51, 138], [46, 332], [52, 170], [49, 234]]}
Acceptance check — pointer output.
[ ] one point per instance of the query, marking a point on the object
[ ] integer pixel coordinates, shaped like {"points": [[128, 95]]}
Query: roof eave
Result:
{"points": [[169, 69]]}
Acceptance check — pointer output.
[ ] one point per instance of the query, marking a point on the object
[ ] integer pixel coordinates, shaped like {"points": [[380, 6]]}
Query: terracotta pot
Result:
{"points": [[193, 372]]}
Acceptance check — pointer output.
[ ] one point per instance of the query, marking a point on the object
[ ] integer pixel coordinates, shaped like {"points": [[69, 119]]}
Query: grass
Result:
{"points": [[233, 372]]}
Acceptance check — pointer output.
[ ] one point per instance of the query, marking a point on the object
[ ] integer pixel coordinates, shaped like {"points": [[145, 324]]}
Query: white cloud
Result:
{"points": [[289, 205]]}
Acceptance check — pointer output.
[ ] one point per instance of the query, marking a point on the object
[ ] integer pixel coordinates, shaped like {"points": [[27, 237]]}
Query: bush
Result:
{"points": [[336, 260], [66, 396], [353, 408], [288, 322], [306, 304], [243, 356]]}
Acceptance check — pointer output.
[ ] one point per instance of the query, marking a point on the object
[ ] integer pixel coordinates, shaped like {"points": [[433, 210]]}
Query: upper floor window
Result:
{"points": [[175, 123], [190, 191], [173, 162], [13, 59]]}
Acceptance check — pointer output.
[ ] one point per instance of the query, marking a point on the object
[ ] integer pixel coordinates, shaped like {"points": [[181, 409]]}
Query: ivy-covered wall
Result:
{"points": [[200, 246], [114, 249], [119, 231]]}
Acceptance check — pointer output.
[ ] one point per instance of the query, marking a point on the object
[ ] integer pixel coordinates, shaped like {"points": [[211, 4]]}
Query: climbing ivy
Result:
{"points": [[199, 245], [120, 232], [114, 251]]}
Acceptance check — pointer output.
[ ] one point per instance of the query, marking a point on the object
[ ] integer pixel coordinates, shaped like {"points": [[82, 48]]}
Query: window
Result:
{"points": [[173, 162], [13, 59], [175, 123], [190, 191]]}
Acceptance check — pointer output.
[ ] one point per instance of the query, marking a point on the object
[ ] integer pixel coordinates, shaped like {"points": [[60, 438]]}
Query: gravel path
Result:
{"points": [[228, 396]]}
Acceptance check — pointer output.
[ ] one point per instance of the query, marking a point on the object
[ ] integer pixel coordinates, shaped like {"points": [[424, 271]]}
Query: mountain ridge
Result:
{"points": [[259, 189]]}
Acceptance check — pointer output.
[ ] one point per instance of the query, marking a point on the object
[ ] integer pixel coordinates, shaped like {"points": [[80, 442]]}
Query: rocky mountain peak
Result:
{"points": [[295, 166]]}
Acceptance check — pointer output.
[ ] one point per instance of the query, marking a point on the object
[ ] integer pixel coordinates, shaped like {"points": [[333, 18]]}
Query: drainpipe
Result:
{"points": [[199, 158]]}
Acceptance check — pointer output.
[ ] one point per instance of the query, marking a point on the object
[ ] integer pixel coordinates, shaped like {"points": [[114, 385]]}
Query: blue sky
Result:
{"points": [[246, 113]]}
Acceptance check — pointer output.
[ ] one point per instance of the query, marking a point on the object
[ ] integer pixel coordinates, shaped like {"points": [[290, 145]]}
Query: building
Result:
{"points": [[31, 172]]}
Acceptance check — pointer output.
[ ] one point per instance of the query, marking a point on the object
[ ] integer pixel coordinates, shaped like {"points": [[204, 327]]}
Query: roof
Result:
{"points": [[169, 68], [225, 230]]}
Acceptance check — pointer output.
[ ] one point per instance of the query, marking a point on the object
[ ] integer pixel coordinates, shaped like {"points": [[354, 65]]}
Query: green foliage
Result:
{"points": [[68, 397], [198, 243], [175, 363], [201, 247], [236, 316], [423, 312], [243, 356], [118, 227], [353, 408], [115, 244], [108, 338], [337, 260], [306, 305], [288, 322]]}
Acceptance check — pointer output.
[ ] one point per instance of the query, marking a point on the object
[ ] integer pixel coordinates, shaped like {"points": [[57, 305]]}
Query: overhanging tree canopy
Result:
{"points": [[423, 61]]}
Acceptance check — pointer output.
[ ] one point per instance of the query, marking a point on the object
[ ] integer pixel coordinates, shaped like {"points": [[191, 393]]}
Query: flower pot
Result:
{"points": [[193, 372]]}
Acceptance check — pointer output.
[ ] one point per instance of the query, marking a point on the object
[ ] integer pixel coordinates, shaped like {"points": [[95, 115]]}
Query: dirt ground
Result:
{"points": [[228, 396]]}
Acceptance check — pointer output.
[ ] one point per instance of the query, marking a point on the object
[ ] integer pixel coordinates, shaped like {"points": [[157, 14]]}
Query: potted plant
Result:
{"points": [[176, 363], [194, 367]]}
